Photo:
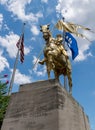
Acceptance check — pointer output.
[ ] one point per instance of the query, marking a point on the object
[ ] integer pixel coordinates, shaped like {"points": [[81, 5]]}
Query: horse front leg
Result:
{"points": [[48, 69], [42, 61]]}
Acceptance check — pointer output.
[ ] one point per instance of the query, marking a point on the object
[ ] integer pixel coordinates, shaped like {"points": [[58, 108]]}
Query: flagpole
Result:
{"points": [[15, 64], [65, 78]]}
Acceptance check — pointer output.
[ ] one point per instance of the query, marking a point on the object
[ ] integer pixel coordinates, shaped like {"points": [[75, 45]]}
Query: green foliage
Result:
{"points": [[4, 99]]}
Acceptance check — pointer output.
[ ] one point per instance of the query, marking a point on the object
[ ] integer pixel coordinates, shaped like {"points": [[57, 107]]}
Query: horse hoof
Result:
{"points": [[41, 62]]}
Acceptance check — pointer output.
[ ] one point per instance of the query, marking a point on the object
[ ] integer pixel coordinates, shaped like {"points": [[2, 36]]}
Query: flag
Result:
{"points": [[81, 27], [72, 44], [72, 28], [20, 46], [66, 26]]}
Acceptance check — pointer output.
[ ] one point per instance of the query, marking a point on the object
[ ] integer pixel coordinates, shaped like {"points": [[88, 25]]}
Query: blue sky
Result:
{"points": [[38, 12]]}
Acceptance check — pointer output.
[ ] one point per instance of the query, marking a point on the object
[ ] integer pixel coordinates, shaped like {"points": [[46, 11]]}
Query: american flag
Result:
{"points": [[20, 46]]}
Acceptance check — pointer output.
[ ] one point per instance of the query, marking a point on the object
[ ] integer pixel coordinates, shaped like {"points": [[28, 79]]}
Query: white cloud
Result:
{"points": [[21, 78], [45, 1], [3, 62], [9, 42], [1, 20], [79, 12], [82, 56], [6, 27], [17, 7], [71, 9], [26, 50], [42, 71], [33, 39], [34, 30], [84, 51]]}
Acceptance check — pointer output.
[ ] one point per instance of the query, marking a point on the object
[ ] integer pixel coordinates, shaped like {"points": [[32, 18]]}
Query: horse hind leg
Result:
{"points": [[56, 75], [70, 82]]}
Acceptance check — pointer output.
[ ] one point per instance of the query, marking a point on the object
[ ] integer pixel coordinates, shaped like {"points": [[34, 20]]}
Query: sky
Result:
{"points": [[13, 13]]}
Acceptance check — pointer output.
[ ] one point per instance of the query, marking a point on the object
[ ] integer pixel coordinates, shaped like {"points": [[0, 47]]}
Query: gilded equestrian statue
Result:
{"points": [[55, 56]]}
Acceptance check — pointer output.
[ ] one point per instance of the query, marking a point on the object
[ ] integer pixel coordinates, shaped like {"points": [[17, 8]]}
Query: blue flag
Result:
{"points": [[72, 44]]}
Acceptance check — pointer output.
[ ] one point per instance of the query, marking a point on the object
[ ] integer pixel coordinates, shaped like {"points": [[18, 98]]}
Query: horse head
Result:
{"points": [[44, 28], [46, 32]]}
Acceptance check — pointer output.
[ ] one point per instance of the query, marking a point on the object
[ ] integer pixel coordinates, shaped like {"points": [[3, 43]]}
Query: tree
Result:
{"points": [[4, 100]]}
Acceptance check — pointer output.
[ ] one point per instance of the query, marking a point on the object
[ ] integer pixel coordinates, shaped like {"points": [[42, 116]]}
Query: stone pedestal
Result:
{"points": [[44, 105]]}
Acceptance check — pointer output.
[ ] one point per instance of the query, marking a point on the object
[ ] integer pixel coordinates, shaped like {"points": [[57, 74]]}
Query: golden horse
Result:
{"points": [[55, 57]]}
